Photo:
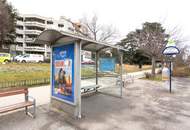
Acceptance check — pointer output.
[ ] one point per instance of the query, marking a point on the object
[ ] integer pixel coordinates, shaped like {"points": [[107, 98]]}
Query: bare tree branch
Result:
{"points": [[98, 32]]}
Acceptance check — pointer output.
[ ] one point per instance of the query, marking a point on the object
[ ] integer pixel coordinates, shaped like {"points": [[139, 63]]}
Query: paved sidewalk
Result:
{"points": [[146, 105], [42, 93], [45, 120], [141, 74]]}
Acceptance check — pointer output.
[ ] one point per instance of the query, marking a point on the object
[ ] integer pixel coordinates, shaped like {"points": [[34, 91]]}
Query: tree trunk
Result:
{"points": [[153, 65]]}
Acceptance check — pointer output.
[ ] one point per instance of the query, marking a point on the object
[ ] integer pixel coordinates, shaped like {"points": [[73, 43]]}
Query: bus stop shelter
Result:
{"points": [[66, 67]]}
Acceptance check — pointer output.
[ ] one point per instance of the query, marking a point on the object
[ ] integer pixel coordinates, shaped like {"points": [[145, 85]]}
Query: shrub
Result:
{"points": [[181, 71], [159, 71], [147, 75], [47, 61]]}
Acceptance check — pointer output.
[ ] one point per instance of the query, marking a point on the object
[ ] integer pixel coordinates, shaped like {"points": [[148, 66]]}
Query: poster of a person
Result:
{"points": [[63, 72]]}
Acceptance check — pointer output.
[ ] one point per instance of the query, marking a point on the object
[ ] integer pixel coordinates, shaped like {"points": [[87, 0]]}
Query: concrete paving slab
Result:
{"points": [[146, 105]]}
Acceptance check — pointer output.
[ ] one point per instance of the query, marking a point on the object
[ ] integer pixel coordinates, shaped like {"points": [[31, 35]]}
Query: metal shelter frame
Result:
{"points": [[55, 38]]}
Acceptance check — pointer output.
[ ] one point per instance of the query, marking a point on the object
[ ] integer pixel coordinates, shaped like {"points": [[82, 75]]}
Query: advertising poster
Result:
{"points": [[107, 64], [63, 72]]}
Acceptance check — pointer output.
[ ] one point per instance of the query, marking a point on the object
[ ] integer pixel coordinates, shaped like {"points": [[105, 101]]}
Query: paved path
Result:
{"points": [[141, 74], [146, 105], [42, 93]]}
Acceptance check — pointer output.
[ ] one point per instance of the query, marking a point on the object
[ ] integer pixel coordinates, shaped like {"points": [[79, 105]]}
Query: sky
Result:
{"points": [[125, 15]]}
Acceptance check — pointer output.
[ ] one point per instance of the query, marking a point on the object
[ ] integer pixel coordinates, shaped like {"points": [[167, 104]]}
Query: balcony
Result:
{"points": [[34, 24], [34, 48], [37, 32], [19, 39], [19, 22], [29, 40], [19, 31], [48, 49], [19, 48]]}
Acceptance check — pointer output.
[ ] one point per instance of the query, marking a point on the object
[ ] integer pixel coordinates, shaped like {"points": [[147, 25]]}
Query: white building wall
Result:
{"points": [[26, 44]]}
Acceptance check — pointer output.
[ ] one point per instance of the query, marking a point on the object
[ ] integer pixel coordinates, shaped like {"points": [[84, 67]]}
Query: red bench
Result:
{"points": [[28, 102]]}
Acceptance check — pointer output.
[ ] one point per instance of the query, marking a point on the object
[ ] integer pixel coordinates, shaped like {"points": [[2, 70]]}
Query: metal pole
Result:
{"points": [[78, 78], [97, 58], [121, 73], [170, 78]]}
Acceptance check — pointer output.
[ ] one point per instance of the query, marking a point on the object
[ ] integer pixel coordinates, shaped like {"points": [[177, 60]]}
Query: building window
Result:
{"points": [[49, 22], [34, 19], [34, 45], [71, 29], [20, 44], [19, 27], [19, 35], [20, 19], [5, 46], [35, 28], [31, 36], [60, 25]]}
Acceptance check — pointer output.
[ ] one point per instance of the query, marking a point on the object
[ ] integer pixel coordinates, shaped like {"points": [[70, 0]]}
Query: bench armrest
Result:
{"points": [[33, 99], [33, 114]]}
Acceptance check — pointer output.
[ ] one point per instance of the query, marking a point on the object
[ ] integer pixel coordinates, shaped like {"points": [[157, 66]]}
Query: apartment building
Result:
{"points": [[29, 26]]}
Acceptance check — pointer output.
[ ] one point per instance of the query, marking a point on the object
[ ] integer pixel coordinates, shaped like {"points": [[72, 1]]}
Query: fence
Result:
{"points": [[27, 83]]}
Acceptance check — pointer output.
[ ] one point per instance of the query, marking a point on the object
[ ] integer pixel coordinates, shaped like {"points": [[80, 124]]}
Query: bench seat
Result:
{"points": [[16, 106], [90, 88], [28, 101]]}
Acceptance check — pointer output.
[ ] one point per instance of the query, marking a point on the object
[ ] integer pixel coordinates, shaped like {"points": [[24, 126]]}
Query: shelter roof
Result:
{"points": [[51, 37]]}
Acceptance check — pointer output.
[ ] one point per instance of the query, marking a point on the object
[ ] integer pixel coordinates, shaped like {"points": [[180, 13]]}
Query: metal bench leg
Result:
{"points": [[96, 89], [26, 110], [33, 113], [34, 109], [26, 99]]}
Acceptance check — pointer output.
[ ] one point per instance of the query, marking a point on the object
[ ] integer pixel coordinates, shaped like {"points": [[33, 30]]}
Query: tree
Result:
{"points": [[99, 32], [7, 22], [182, 59], [133, 55], [150, 39]]}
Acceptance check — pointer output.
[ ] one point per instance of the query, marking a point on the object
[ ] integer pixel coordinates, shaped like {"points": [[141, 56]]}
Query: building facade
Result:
{"points": [[29, 26]]}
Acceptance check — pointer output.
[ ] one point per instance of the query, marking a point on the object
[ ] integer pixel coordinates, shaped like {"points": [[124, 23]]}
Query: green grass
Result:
{"points": [[22, 72], [19, 72], [88, 72], [132, 68], [158, 77], [30, 71]]}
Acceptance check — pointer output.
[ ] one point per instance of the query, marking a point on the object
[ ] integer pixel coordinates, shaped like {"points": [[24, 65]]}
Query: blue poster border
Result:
{"points": [[68, 99]]}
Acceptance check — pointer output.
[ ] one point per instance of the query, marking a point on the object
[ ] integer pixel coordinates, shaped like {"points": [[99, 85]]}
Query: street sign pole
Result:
{"points": [[170, 77], [170, 50]]}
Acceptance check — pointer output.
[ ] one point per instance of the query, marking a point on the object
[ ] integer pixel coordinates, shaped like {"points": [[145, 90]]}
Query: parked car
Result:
{"points": [[17, 57], [5, 57], [89, 61], [30, 58]]}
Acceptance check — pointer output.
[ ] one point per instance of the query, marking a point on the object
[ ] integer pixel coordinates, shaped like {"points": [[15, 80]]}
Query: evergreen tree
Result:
{"points": [[7, 23]]}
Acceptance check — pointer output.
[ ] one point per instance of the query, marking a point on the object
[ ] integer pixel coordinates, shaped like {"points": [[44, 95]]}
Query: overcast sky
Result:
{"points": [[125, 15]]}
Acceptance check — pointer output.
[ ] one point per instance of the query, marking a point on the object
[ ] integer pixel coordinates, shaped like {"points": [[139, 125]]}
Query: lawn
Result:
{"points": [[20, 71], [158, 77], [29, 74], [181, 71], [132, 68]]}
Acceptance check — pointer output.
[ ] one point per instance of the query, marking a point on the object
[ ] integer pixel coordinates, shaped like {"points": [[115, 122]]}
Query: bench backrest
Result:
{"points": [[12, 92]]}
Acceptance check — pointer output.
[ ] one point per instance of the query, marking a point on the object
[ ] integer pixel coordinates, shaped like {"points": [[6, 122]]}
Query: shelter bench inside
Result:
{"points": [[89, 88], [125, 80], [28, 101]]}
